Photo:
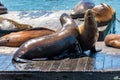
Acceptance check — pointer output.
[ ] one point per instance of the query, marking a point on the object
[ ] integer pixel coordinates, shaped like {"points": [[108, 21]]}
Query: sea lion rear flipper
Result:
{"points": [[17, 59]]}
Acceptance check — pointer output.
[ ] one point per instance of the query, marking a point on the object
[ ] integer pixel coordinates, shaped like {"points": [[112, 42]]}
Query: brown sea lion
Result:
{"points": [[81, 7], [103, 14], [8, 25], [15, 39], [88, 32], [113, 40], [50, 45]]}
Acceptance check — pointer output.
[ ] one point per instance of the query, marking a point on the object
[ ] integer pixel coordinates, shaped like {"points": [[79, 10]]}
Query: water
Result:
{"points": [[39, 4], [15, 5], [23, 5]]}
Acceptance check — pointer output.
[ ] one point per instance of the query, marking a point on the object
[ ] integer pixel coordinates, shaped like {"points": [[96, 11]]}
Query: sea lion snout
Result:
{"points": [[3, 41], [89, 15]]}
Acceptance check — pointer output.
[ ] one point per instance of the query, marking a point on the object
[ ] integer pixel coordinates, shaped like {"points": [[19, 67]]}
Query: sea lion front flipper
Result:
{"points": [[93, 50], [39, 28]]}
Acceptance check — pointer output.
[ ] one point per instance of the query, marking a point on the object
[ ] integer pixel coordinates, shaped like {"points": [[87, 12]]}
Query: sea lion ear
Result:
{"points": [[105, 5]]}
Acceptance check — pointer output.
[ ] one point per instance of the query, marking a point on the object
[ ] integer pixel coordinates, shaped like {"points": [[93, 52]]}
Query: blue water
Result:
{"points": [[23, 5]]}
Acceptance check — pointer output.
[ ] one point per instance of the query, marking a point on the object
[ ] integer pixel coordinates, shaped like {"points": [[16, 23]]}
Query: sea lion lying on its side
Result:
{"points": [[88, 32], [81, 7], [8, 25], [15, 39], [51, 45], [103, 14], [113, 40]]}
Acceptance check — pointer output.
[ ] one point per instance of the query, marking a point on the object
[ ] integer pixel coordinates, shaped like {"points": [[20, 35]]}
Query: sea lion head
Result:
{"points": [[80, 9], [89, 18], [65, 19], [103, 12], [112, 40]]}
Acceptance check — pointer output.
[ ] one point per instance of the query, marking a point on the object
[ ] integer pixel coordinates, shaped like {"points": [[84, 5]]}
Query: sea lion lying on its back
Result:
{"points": [[15, 39], [88, 32], [113, 40], [103, 14], [81, 7], [51, 45], [8, 25]]}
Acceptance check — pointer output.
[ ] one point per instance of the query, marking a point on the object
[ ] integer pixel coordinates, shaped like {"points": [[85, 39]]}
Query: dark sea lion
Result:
{"points": [[103, 14], [50, 45], [113, 40], [3, 9], [88, 32], [8, 25], [15, 39], [81, 7]]}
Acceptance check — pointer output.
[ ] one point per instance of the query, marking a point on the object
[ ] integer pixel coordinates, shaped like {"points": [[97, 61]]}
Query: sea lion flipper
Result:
{"points": [[17, 59], [93, 50], [39, 28]]}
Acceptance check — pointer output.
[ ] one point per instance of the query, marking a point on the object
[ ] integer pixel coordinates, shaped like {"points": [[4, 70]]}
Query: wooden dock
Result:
{"points": [[104, 65]]}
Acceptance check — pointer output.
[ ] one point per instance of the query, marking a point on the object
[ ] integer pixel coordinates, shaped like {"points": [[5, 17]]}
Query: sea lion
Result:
{"points": [[3, 9], [50, 45], [8, 25], [81, 7], [15, 39], [88, 32], [113, 40], [103, 13]]}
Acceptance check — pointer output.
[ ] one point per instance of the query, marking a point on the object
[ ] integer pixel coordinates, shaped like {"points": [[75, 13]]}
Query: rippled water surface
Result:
{"points": [[23, 5]]}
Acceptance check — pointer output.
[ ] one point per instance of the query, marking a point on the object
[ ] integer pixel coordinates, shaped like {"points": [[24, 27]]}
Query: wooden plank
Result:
{"points": [[33, 66], [108, 62], [5, 62], [82, 62], [68, 65], [90, 64], [46, 66], [56, 65], [10, 67], [99, 61], [116, 62]]}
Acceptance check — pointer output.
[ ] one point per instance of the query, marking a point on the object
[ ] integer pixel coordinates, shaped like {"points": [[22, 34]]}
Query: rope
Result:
{"points": [[118, 20]]}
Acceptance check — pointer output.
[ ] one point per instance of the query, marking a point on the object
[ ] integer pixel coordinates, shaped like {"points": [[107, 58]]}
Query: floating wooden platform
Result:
{"points": [[104, 65]]}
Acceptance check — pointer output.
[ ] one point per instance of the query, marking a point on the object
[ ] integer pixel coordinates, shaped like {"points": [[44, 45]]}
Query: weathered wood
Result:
{"points": [[68, 65], [116, 62], [90, 64], [47, 65], [55, 66], [99, 61], [82, 62], [108, 62]]}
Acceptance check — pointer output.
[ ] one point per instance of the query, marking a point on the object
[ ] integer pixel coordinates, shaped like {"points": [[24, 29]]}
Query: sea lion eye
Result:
{"points": [[8, 40]]}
